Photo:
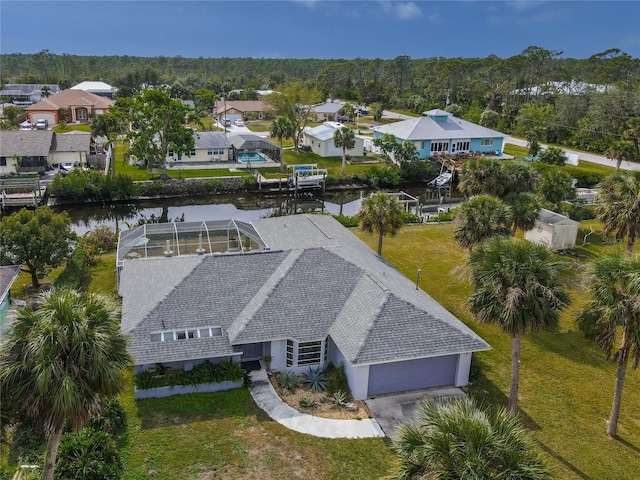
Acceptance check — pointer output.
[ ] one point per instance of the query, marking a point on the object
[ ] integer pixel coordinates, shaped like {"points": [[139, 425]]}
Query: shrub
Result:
{"points": [[410, 217], [83, 186], [314, 380], [75, 271], [417, 171], [339, 398], [337, 380], [205, 372], [552, 156], [347, 221], [111, 418], [101, 239], [88, 454], [308, 403], [379, 177], [287, 380]]}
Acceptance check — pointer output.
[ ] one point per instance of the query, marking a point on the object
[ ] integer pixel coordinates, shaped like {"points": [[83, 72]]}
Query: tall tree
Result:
{"points": [[281, 127], [381, 213], [618, 207], [57, 361], [481, 218], [157, 125], [295, 102], [621, 150], [344, 139], [110, 126], [37, 239], [461, 439], [518, 287], [482, 176], [614, 313], [406, 151], [386, 143]]}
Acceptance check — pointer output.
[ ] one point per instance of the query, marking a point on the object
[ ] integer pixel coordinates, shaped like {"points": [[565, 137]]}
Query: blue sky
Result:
{"points": [[318, 28]]}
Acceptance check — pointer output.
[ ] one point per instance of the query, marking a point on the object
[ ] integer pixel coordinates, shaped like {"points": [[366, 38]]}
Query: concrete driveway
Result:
{"points": [[392, 410]]}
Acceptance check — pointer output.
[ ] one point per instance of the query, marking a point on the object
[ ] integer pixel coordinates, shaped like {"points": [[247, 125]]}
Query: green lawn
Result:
{"points": [[566, 385], [72, 127], [332, 164]]}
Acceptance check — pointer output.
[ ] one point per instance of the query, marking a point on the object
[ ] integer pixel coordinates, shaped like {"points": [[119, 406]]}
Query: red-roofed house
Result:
{"points": [[81, 105]]}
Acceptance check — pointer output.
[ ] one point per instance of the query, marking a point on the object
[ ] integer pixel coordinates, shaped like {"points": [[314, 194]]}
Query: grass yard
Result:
{"points": [[332, 164], [72, 127], [566, 385]]}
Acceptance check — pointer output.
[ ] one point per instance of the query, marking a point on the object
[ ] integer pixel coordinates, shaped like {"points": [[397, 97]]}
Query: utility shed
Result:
{"points": [[553, 230]]}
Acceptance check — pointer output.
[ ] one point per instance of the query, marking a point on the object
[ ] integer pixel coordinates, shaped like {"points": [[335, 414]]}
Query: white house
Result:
{"points": [[210, 147], [320, 139], [101, 89], [553, 230]]}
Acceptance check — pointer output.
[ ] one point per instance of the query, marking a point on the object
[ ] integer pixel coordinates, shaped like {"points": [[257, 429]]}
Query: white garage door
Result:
{"points": [[412, 375], [49, 117]]}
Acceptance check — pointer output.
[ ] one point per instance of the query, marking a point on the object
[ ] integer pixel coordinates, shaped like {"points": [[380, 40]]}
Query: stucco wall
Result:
{"points": [[357, 376]]}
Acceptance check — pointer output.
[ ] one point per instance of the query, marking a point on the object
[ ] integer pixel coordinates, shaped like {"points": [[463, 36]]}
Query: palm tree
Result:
{"points": [[281, 127], [381, 213], [461, 439], [45, 91], [525, 210], [56, 362], [480, 218], [517, 286], [345, 139], [109, 126], [621, 150], [614, 312], [481, 176], [618, 207]]}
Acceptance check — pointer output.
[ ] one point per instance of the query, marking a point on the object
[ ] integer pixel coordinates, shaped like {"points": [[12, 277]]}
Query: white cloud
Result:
{"points": [[401, 10]]}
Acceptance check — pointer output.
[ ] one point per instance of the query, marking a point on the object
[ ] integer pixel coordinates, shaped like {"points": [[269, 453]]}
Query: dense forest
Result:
{"points": [[591, 103]]}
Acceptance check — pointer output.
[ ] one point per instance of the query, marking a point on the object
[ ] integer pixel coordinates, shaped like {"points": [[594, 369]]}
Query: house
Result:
{"points": [[320, 140], [553, 230], [32, 150], [327, 111], [101, 89], [210, 147], [8, 275], [80, 104], [301, 288], [241, 109], [26, 92], [439, 132]]}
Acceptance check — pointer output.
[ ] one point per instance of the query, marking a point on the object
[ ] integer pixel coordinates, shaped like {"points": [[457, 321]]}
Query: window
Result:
{"points": [[171, 153], [487, 142], [215, 151], [172, 335], [3, 161], [439, 146], [193, 152], [419, 145], [306, 353]]}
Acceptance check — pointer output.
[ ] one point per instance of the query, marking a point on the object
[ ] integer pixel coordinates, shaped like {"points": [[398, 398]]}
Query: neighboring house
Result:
{"points": [[101, 89], [553, 230], [27, 92], [320, 139], [249, 143], [327, 111], [210, 147], [240, 109], [309, 292], [8, 275], [31, 150], [81, 105], [439, 132]]}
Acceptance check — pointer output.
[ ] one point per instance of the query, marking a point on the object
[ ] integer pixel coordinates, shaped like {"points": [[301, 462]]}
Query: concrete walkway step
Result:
{"points": [[268, 400]]}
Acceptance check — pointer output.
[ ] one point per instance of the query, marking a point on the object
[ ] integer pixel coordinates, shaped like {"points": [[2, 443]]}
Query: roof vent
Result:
{"points": [[168, 252]]}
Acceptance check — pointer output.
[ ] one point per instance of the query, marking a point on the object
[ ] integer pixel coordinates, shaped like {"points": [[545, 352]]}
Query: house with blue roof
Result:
{"points": [[307, 292], [438, 132]]}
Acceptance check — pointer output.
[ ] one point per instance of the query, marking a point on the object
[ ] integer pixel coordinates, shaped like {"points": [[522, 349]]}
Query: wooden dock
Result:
{"points": [[20, 192]]}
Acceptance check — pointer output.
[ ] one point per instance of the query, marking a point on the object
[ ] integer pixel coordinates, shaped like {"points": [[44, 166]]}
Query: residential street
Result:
{"points": [[586, 157]]}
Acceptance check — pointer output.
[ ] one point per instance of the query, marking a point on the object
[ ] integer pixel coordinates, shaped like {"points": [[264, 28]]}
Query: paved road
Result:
{"points": [[585, 157]]}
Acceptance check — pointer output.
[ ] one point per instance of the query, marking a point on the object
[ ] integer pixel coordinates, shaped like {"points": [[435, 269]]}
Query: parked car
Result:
{"points": [[42, 124], [239, 123]]}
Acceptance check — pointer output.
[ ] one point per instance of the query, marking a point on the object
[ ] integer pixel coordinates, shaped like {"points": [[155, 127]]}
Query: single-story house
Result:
{"points": [[101, 89], [8, 275], [320, 139], [241, 109], [27, 92], [31, 150], [307, 293], [553, 230], [327, 111], [439, 132], [210, 147], [81, 105]]}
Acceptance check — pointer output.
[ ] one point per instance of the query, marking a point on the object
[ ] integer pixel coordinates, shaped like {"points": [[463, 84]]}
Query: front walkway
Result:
{"points": [[268, 400]]}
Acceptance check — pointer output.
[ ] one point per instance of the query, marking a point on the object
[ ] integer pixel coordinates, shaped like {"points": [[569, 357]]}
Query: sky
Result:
{"points": [[318, 28]]}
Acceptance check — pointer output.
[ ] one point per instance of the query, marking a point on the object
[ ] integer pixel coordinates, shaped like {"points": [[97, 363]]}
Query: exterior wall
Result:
{"points": [[462, 371], [163, 392], [279, 358], [326, 148], [357, 376], [565, 236], [201, 156], [67, 158], [5, 305], [11, 167], [542, 233], [476, 145]]}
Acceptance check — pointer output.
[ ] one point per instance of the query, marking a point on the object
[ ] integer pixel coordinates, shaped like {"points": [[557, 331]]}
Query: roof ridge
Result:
{"points": [[263, 293], [372, 324]]}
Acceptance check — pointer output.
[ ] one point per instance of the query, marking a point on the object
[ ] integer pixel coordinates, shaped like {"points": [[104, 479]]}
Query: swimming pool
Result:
{"points": [[251, 157]]}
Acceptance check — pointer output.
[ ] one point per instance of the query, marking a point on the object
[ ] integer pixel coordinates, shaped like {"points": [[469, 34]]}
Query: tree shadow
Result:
{"points": [[552, 453], [628, 444], [568, 343]]}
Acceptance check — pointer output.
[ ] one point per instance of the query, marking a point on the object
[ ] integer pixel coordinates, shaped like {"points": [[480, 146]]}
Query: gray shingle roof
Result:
{"points": [[71, 142], [211, 140], [426, 128], [26, 143], [318, 279]]}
